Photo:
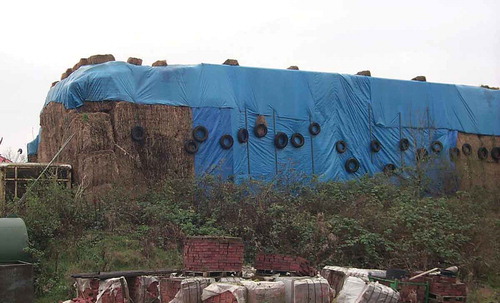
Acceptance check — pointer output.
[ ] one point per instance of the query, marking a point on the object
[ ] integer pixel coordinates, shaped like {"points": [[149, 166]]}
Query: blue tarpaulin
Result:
{"points": [[355, 109]]}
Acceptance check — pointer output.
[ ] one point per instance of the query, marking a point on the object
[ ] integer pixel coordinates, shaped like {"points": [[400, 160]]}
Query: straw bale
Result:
{"points": [[97, 168], [420, 78], [475, 172], [54, 121], [102, 138], [364, 73], [162, 153], [93, 132], [134, 61], [54, 83], [232, 62], [92, 107], [64, 76], [82, 62], [160, 63], [98, 59]]}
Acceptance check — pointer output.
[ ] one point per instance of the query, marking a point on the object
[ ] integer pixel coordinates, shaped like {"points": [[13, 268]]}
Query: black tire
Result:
{"points": [[280, 140], [297, 140], [495, 153], [200, 133], [341, 146], [421, 154], [467, 149], [191, 146], [226, 141], [352, 165], [375, 146], [482, 153], [314, 128], [436, 146], [454, 153], [404, 144], [389, 169], [260, 130], [138, 133], [243, 135]]}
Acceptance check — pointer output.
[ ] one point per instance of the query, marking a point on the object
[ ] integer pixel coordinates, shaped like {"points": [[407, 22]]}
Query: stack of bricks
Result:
{"points": [[225, 297], [213, 254], [411, 292], [446, 286], [284, 263]]}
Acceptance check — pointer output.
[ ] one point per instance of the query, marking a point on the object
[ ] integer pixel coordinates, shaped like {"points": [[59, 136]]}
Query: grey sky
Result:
{"points": [[447, 41]]}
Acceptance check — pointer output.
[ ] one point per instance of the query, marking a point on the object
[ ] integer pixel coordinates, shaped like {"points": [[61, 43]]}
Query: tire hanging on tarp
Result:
{"points": [[404, 144], [200, 133], [352, 165], [467, 149], [297, 140], [138, 133], [482, 153], [341, 146], [242, 135], [280, 140], [226, 141], [260, 130], [314, 128], [191, 146]]}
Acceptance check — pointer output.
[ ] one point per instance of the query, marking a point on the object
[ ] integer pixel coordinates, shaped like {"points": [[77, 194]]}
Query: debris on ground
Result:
{"points": [[215, 275]]}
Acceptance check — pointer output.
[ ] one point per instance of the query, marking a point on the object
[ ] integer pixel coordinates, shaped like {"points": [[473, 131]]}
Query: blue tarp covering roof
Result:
{"points": [[355, 109]]}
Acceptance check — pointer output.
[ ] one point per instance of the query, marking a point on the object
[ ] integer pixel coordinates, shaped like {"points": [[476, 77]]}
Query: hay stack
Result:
{"points": [[261, 120], [473, 171], [103, 153]]}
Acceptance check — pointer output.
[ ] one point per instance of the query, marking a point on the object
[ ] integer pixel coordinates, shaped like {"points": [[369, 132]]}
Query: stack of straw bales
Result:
{"points": [[103, 153]]}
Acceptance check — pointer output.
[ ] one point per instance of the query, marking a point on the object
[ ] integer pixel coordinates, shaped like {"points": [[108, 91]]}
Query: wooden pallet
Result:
{"points": [[267, 272], [212, 274], [433, 298]]}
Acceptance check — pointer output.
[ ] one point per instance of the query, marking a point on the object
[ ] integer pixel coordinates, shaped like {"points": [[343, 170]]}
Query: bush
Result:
{"points": [[365, 223]]}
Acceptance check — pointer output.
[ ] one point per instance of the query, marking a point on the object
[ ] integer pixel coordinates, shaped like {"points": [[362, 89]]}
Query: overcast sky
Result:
{"points": [[448, 41]]}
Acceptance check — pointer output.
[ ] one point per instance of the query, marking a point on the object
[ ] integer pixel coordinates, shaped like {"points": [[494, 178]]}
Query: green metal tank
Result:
{"points": [[13, 240]]}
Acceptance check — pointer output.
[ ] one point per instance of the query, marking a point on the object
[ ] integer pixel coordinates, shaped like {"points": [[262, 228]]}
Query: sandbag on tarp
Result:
{"points": [[114, 290], [145, 289], [335, 277], [269, 292], [307, 290], [215, 289], [355, 290], [191, 290]]}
